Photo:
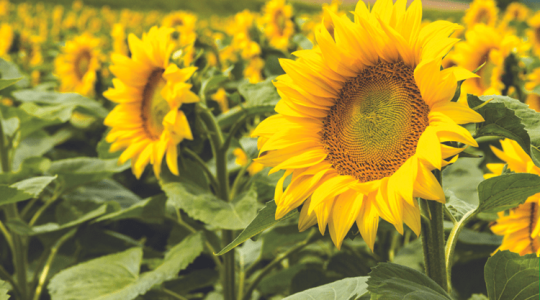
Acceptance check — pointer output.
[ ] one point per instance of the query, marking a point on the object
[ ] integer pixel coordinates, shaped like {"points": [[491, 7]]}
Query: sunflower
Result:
{"points": [[534, 32], [277, 23], [481, 12], [149, 90], [520, 226], [6, 39], [184, 24], [516, 12], [533, 99], [361, 121], [485, 44], [78, 63], [118, 35]]}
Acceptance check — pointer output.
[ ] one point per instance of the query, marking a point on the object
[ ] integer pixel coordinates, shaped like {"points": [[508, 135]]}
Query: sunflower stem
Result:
{"points": [[220, 154], [11, 211], [433, 240]]}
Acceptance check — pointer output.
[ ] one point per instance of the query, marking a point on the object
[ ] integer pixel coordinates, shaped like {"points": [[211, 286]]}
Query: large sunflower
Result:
{"points": [[520, 227], [78, 63], [485, 44], [149, 90], [361, 120]]}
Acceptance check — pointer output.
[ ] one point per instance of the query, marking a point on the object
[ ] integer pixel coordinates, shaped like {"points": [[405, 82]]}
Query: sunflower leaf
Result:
{"points": [[116, 276], [506, 191], [4, 289], [395, 282], [4, 83], [202, 205], [345, 289], [511, 276], [507, 117], [24, 190], [264, 219]]}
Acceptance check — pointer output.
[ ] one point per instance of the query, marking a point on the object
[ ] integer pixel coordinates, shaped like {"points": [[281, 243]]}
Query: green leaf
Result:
{"points": [[116, 276], [511, 276], [24, 190], [28, 122], [265, 219], [411, 256], [345, 289], [507, 117], [507, 191], [302, 41], [81, 170], [462, 178], [192, 281], [202, 205], [37, 144], [4, 289], [280, 237], [457, 207], [30, 167], [478, 297], [391, 281], [4, 83], [53, 105], [149, 210]]}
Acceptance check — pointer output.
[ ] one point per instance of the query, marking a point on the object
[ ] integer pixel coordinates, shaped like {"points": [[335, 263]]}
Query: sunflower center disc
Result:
{"points": [[154, 106], [82, 64], [376, 123]]}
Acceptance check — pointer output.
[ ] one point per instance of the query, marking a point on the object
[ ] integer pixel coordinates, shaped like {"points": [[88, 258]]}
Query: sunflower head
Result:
{"points": [[516, 12], [149, 90], [519, 227], [278, 26], [77, 65], [481, 12], [361, 121]]}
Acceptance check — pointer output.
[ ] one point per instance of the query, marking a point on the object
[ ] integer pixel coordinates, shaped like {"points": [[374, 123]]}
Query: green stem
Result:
{"points": [[7, 236], [275, 262], [203, 165], [451, 245], [220, 154], [238, 179], [47, 267]]}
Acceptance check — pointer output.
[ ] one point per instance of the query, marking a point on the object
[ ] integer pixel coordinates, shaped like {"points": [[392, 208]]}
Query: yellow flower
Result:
{"points": [[220, 96], [277, 23], [481, 12], [361, 121], [516, 12], [78, 63], [534, 32], [485, 44], [6, 38], [520, 226], [239, 29], [533, 99], [253, 69], [149, 90], [242, 160]]}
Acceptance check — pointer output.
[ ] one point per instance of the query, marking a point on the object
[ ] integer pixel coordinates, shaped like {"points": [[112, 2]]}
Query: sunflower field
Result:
{"points": [[265, 150]]}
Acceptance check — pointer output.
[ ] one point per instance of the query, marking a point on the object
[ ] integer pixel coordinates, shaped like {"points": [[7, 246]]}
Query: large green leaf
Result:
{"points": [[4, 83], [265, 219], [37, 144], [81, 170], [53, 105], [102, 192], [507, 191], [345, 289], [202, 205], [462, 178], [511, 276], [28, 122], [507, 117], [395, 282], [24, 190], [116, 276]]}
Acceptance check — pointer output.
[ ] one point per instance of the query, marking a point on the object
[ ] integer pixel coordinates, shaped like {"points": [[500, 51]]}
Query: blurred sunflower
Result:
{"points": [[78, 63], [361, 121], [277, 23], [149, 90], [184, 24], [118, 35], [520, 226], [516, 12], [485, 44], [481, 12], [6, 39], [534, 32], [533, 99]]}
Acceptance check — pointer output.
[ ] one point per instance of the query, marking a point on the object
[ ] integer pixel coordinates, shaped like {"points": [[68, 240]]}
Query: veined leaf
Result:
{"points": [[345, 289], [507, 191], [24, 190], [511, 276], [116, 276], [81, 170], [4, 83]]}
